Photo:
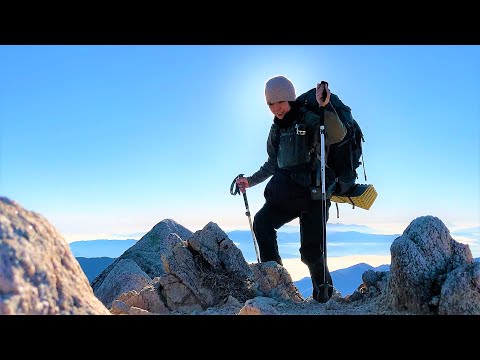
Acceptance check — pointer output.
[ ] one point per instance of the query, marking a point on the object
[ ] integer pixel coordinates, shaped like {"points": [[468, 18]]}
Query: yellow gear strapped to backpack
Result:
{"points": [[360, 195]]}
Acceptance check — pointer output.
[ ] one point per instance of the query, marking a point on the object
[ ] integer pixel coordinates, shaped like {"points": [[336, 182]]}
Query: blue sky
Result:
{"points": [[106, 140]]}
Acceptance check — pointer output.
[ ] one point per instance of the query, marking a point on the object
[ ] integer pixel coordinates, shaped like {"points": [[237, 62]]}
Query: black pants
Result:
{"points": [[270, 218]]}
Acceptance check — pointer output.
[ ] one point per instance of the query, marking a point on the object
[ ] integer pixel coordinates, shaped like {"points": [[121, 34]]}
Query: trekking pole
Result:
{"points": [[325, 286], [237, 191]]}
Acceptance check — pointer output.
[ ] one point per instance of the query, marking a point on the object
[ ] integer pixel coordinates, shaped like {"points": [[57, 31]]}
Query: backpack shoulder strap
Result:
{"points": [[275, 136]]}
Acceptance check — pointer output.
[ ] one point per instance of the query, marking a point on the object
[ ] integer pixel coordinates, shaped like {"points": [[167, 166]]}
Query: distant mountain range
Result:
{"points": [[340, 243], [94, 266], [342, 240]]}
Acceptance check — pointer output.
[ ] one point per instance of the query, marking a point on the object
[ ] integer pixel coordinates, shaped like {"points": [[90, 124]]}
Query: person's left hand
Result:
{"points": [[320, 87]]}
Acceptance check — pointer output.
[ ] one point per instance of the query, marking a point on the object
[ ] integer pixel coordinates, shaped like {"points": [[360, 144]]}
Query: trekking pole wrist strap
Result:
{"points": [[234, 189]]}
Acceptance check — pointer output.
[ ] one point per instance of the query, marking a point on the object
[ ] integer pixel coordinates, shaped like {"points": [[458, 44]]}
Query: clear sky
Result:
{"points": [[106, 141]]}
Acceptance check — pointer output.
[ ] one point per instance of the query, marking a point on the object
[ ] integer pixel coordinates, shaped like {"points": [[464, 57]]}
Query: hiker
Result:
{"points": [[293, 136]]}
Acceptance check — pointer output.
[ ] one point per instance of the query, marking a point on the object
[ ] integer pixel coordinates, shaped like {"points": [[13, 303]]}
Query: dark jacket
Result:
{"points": [[334, 132]]}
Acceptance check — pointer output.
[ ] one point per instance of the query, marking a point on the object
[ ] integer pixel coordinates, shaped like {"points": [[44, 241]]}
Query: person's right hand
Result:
{"points": [[242, 184]]}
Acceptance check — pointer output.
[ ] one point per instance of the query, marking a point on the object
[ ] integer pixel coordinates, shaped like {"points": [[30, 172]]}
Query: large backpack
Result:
{"points": [[343, 157]]}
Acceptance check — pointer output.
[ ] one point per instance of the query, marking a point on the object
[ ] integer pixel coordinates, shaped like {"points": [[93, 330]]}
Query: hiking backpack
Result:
{"points": [[343, 157]]}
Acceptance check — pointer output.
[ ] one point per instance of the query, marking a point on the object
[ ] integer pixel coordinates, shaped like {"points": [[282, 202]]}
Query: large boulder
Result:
{"points": [[421, 258], [125, 276], [38, 273]]}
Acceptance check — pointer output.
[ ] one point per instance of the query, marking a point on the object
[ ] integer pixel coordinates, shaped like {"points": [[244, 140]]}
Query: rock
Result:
{"points": [[274, 281], [38, 273], [420, 257], [125, 276], [460, 294], [146, 253], [259, 306]]}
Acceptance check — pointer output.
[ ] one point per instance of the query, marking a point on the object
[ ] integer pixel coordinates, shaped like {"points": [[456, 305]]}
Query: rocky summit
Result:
{"points": [[172, 271]]}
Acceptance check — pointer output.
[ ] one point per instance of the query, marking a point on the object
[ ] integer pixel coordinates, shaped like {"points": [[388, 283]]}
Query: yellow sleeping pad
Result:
{"points": [[361, 195]]}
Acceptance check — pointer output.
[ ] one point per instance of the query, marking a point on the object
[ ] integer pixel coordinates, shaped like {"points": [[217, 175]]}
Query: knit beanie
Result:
{"points": [[278, 89]]}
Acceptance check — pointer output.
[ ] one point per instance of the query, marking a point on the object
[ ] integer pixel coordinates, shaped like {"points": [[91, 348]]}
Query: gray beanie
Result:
{"points": [[278, 89]]}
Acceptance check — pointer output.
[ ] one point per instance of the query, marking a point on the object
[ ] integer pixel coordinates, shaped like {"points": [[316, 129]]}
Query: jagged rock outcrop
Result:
{"points": [[146, 254], [200, 273], [180, 263], [213, 244], [38, 273], [422, 259], [208, 274]]}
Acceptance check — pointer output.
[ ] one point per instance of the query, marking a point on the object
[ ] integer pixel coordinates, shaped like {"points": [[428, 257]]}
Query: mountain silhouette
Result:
{"points": [[340, 243], [346, 281]]}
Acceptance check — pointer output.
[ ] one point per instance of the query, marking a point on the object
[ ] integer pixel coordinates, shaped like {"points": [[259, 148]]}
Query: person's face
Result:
{"points": [[279, 109]]}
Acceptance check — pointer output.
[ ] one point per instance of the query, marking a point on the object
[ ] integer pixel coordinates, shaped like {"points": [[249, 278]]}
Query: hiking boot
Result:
{"points": [[321, 292], [320, 295]]}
